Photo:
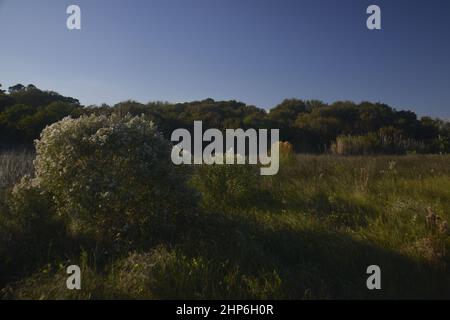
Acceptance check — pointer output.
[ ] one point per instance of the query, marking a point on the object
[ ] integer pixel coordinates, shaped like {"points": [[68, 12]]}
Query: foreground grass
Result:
{"points": [[308, 233]]}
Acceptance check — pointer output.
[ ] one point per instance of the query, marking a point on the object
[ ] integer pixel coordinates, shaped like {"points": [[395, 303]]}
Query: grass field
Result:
{"points": [[309, 232]]}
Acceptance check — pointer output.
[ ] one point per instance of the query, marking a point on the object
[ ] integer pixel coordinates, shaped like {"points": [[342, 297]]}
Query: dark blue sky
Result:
{"points": [[255, 51]]}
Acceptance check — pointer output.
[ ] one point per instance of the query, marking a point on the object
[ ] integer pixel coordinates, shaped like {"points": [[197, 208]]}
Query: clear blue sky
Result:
{"points": [[255, 51]]}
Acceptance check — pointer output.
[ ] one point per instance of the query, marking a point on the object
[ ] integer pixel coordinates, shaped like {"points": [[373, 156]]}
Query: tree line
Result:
{"points": [[311, 126]]}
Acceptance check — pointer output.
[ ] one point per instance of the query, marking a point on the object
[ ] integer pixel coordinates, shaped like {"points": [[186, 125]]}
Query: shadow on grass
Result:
{"points": [[314, 262], [218, 256]]}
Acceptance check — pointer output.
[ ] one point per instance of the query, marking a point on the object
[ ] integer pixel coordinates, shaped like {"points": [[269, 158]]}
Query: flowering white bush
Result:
{"points": [[111, 176]]}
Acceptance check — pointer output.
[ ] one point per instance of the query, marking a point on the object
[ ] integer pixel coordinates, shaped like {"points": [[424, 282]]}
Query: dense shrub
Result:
{"points": [[225, 186], [30, 231], [112, 177]]}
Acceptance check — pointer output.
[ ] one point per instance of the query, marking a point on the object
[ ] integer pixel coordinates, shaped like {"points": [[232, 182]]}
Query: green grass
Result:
{"points": [[308, 233]]}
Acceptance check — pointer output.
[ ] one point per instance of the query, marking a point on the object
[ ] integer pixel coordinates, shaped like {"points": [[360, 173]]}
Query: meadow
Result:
{"points": [[309, 232]]}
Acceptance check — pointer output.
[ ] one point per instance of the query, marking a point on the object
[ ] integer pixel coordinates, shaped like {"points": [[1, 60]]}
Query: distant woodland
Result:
{"points": [[311, 126]]}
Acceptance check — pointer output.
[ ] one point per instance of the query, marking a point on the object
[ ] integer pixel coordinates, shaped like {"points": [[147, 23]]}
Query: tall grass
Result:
{"points": [[14, 165], [309, 232]]}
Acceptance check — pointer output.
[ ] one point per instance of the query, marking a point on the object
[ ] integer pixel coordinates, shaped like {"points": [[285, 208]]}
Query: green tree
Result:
{"points": [[16, 88]]}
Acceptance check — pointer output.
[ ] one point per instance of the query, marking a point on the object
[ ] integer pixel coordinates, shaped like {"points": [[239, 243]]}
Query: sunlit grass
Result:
{"points": [[309, 232]]}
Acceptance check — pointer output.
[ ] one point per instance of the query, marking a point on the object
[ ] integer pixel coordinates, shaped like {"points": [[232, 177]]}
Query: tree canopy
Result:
{"points": [[310, 125]]}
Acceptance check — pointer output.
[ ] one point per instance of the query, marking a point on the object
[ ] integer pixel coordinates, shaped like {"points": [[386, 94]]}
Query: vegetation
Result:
{"points": [[309, 232], [99, 190], [310, 126], [110, 177]]}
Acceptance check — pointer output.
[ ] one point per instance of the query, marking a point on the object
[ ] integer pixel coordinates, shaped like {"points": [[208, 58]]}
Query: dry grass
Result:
{"points": [[14, 165]]}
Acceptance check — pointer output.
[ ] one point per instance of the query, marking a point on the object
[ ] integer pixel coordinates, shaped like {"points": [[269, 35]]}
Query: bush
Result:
{"points": [[228, 186], [112, 177], [30, 232]]}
